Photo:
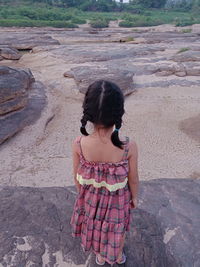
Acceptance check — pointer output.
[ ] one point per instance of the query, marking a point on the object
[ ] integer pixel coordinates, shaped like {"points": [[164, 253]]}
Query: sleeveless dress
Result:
{"points": [[101, 213]]}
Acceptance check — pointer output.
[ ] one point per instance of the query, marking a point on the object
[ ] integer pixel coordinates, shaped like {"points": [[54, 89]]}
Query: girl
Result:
{"points": [[105, 174]]}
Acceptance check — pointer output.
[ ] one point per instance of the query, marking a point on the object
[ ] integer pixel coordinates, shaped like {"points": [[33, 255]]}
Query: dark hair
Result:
{"points": [[104, 104]]}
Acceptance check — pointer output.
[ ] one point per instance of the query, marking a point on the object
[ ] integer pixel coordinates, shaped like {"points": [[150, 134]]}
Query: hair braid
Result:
{"points": [[83, 124], [115, 134]]}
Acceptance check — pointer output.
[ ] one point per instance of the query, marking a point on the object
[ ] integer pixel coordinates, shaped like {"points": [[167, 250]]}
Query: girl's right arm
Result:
{"points": [[76, 160], [133, 179]]}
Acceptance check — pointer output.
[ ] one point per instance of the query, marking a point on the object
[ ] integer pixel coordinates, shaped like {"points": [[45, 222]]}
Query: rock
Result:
{"points": [[9, 53], [187, 56], [180, 70], [167, 83], [26, 40], [192, 69], [68, 74], [104, 53], [21, 100], [164, 73], [13, 104], [86, 75], [181, 73], [35, 226]]}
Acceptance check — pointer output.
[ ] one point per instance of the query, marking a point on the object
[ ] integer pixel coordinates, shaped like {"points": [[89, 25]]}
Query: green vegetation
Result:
{"points": [[99, 23], [186, 31], [184, 49], [38, 23], [138, 21], [129, 39], [69, 13]]}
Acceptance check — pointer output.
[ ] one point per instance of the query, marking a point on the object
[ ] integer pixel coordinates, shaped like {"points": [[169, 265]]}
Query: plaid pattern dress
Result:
{"points": [[101, 214]]}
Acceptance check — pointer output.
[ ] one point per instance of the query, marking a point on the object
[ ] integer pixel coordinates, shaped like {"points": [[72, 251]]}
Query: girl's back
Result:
{"points": [[100, 149]]}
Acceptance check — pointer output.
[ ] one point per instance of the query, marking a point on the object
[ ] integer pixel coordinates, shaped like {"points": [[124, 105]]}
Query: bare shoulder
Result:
{"points": [[133, 149]]}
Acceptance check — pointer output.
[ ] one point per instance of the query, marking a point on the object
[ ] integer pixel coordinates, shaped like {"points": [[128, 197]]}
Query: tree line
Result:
{"points": [[134, 6]]}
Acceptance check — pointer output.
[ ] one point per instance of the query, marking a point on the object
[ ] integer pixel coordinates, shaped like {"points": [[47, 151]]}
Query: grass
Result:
{"points": [[186, 30], [129, 39], [184, 49], [40, 14]]}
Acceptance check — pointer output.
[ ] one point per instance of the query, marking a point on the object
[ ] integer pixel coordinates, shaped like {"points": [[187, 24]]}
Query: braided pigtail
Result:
{"points": [[115, 134], [83, 124]]}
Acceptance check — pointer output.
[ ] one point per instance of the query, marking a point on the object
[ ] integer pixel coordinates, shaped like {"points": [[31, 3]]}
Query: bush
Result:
{"points": [[134, 8], [27, 12], [184, 22], [36, 23], [126, 23], [140, 21], [99, 23], [129, 17], [77, 20], [186, 31]]}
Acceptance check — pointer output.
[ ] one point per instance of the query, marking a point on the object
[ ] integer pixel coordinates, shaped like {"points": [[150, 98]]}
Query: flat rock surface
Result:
{"points": [[35, 226], [187, 56]]}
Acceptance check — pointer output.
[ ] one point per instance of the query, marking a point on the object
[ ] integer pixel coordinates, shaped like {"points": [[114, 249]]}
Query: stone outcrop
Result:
{"points": [[9, 53], [27, 40], [180, 70], [21, 100], [35, 226], [187, 56], [104, 53], [86, 75]]}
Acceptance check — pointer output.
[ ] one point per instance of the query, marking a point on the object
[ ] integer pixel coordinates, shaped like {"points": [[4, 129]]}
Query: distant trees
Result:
{"points": [[150, 3], [135, 6]]}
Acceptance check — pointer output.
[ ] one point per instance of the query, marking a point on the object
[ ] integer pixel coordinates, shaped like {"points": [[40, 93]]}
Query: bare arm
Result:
{"points": [[76, 160], [133, 179]]}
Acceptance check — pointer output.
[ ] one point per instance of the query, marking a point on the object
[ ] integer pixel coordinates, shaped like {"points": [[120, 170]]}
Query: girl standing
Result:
{"points": [[105, 174]]}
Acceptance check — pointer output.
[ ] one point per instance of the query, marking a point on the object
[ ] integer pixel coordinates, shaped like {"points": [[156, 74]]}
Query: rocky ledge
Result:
{"points": [[27, 40], [9, 53], [35, 226], [21, 100]]}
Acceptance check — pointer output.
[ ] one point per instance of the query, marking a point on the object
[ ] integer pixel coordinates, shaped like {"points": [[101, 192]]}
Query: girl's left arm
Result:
{"points": [[76, 160]]}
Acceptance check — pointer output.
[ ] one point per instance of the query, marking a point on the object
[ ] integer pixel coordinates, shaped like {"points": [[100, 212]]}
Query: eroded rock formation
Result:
{"points": [[9, 53], [21, 100], [27, 40]]}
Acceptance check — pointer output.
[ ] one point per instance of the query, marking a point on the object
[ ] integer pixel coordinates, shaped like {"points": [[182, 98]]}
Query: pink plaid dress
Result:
{"points": [[101, 214]]}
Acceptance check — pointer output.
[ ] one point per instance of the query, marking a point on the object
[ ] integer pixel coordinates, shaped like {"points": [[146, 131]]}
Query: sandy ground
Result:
{"points": [[40, 155]]}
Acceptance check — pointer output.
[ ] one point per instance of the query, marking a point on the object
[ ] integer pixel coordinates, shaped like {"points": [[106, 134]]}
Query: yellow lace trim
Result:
{"points": [[110, 187]]}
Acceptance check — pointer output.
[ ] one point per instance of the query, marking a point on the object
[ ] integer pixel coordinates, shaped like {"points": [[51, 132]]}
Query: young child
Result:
{"points": [[105, 174]]}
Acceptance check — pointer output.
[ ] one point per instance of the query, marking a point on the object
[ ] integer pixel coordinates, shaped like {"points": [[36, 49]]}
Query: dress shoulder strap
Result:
{"points": [[126, 149]]}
